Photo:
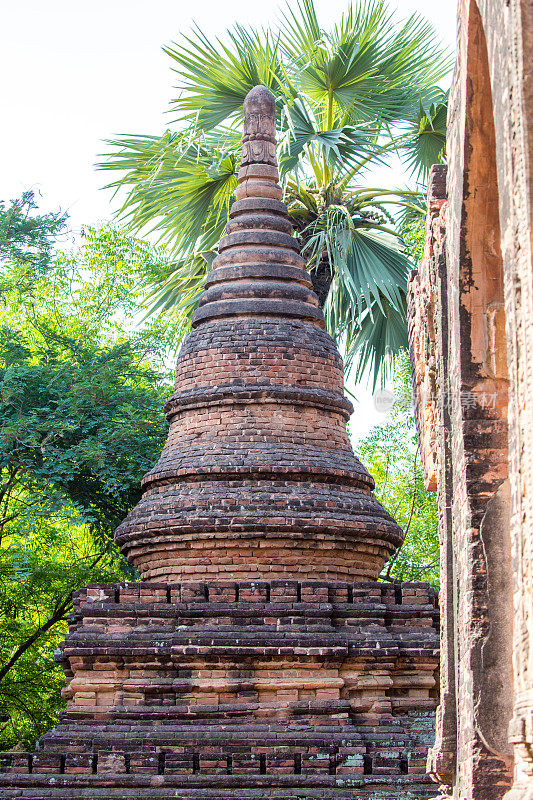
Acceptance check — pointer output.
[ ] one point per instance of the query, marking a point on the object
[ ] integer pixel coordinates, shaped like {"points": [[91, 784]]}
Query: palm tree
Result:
{"points": [[348, 99]]}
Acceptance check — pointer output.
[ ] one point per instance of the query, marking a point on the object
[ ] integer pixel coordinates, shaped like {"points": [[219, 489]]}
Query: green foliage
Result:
{"points": [[27, 237], [426, 143], [348, 99], [414, 237], [365, 306], [26, 241], [218, 75], [391, 453], [42, 560], [96, 291], [80, 422], [366, 67]]}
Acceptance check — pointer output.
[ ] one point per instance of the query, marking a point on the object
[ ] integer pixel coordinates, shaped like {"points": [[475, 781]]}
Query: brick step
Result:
{"points": [[226, 745], [364, 594], [218, 756], [215, 787], [71, 737], [262, 621], [422, 791], [229, 732], [259, 623], [333, 712], [194, 646], [417, 633], [210, 608], [249, 741]]}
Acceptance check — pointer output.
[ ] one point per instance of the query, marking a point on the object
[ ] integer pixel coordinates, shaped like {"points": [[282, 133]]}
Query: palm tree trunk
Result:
{"points": [[321, 276]]}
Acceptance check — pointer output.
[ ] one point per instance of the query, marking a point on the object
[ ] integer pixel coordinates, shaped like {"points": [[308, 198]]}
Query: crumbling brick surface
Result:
{"points": [[424, 314], [260, 658], [258, 476], [470, 320], [282, 689]]}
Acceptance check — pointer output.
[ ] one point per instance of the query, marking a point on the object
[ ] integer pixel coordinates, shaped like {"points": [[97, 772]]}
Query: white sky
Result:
{"points": [[75, 73]]}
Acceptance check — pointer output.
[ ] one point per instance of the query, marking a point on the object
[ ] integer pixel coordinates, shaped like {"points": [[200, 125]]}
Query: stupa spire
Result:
{"points": [[259, 129], [251, 660], [259, 269], [258, 477]]}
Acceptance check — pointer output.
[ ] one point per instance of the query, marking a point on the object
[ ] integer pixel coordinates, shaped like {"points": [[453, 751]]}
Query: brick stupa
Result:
{"points": [[259, 657]]}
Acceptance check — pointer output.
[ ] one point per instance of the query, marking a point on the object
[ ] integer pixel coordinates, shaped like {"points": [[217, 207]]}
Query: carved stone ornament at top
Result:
{"points": [[259, 140]]}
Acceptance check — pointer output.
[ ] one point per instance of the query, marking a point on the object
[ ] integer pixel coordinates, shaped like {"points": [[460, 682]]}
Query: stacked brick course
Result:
{"points": [[282, 689], [261, 658]]}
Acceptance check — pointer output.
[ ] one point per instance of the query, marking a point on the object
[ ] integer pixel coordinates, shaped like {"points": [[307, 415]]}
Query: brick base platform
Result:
{"points": [[271, 689]]}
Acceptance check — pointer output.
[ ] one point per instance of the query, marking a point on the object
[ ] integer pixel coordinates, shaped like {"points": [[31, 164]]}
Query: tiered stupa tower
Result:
{"points": [[259, 657], [258, 478]]}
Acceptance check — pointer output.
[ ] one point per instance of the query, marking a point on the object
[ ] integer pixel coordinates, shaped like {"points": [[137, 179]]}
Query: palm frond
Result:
{"points": [[303, 135], [425, 137], [368, 265], [412, 212], [380, 267], [180, 292], [365, 68], [178, 186], [365, 305], [217, 76], [330, 65], [371, 346]]}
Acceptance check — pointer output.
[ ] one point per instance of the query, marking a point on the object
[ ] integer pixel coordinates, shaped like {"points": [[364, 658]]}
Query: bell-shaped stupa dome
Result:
{"points": [[258, 479]]}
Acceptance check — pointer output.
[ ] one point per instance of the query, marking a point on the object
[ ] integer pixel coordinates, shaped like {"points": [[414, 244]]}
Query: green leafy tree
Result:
{"points": [[391, 453], [80, 422], [42, 560], [26, 241], [349, 98]]}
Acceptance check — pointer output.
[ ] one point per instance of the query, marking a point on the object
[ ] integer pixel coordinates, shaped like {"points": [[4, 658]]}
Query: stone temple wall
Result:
{"points": [[471, 333]]}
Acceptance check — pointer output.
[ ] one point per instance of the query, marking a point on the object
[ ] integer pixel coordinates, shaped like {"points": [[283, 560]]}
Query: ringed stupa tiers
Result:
{"points": [[259, 656], [258, 476]]}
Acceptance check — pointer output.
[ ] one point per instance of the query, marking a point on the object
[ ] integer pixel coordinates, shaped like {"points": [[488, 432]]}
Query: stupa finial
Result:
{"points": [[259, 139], [258, 174]]}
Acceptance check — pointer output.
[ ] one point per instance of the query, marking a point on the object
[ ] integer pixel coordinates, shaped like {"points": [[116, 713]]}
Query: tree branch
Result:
{"points": [[59, 614], [392, 561]]}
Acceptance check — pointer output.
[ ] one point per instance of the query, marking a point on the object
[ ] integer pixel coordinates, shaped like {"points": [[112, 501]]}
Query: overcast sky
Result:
{"points": [[76, 72]]}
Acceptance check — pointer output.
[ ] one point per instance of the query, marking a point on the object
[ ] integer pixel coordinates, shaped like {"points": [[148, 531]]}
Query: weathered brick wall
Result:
{"points": [[478, 446], [271, 689], [428, 337], [425, 315], [471, 329]]}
